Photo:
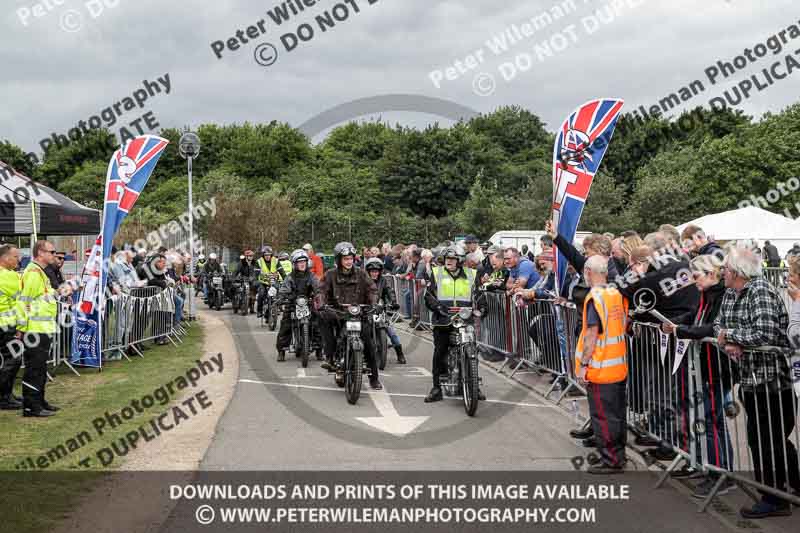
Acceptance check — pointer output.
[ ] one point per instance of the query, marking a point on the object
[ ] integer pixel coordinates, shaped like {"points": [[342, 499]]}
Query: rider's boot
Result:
{"points": [[375, 383], [328, 365], [435, 395], [481, 395], [401, 359], [281, 355]]}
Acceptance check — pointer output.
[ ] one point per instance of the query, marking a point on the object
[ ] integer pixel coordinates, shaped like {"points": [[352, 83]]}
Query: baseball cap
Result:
{"points": [[307, 246], [470, 238]]}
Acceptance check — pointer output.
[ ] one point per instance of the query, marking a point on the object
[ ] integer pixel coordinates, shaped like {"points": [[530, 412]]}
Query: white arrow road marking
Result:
{"points": [[390, 420], [398, 394]]}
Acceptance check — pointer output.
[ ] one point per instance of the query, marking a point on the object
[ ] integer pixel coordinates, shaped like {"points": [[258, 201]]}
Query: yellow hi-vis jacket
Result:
{"points": [[454, 292], [608, 364], [287, 267], [12, 311], [266, 269], [39, 298]]}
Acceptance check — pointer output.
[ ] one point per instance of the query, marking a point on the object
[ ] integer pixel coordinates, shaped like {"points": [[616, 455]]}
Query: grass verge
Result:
{"points": [[35, 501]]}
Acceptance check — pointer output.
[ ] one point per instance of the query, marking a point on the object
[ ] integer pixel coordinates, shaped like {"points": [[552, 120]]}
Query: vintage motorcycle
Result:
{"points": [[350, 366], [242, 297], [269, 316], [462, 359], [216, 291], [380, 321], [300, 315]]}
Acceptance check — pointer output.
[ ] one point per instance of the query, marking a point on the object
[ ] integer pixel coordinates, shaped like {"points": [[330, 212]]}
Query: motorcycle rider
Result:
{"points": [[268, 266], [247, 269], [450, 285], [346, 285], [285, 262], [299, 283], [374, 267], [210, 269]]}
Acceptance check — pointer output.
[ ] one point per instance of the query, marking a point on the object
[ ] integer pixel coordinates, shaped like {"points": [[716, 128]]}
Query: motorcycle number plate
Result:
{"points": [[216, 280], [302, 313], [272, 291], [466, 337], [354, 326]]}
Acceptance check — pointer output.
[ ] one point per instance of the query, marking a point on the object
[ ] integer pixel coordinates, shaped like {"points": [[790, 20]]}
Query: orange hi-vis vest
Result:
{"points": [[608, 364]]}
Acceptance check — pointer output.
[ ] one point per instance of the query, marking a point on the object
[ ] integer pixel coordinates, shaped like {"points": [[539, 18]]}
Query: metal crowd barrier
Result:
{"points": [[409, 294], [746, 422], [129, 319], [776, 276]]}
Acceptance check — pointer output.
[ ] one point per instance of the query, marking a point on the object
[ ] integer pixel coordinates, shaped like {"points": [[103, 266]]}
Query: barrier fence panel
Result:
{"points": [[145, 313], [494, 328], [747, 418]]}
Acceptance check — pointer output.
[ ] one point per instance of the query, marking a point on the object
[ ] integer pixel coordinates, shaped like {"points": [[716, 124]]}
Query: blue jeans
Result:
{"points": [[393, 336], [407, 298], [178, 308]]}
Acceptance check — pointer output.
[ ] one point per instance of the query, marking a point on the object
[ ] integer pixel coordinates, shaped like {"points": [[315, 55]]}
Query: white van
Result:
{"points": [[517, 238]]}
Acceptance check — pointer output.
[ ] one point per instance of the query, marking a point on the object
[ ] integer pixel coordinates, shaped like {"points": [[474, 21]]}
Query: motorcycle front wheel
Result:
{"points": [[469, 384], [353, 375], [303, 346], [381, 347], [273, 317]]}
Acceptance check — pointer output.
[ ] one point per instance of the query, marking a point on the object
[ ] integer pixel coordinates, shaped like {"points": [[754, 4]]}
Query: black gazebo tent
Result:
{"points": [[54, 213]]}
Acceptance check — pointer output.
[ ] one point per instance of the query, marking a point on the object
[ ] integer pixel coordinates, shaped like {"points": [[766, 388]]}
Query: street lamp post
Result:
{"points": [[189, 148]]}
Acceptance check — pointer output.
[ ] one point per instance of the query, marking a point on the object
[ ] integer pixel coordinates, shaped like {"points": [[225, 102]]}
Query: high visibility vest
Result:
{"points": [[287, 267], [265, 270], [12, 311], [39, 298], [454, 292], [609, 363]]}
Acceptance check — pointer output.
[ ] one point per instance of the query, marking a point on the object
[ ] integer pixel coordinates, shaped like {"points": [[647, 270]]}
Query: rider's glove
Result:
{"points": [[394, 307]]}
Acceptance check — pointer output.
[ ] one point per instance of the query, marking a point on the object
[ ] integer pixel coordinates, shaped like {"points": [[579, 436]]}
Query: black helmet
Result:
{"points": [[266, 250], [374, 263], [342, 249]]}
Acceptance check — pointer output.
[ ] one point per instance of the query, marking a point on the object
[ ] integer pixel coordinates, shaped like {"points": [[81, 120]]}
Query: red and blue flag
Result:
{"points": [[128, 172], [580, 145]]}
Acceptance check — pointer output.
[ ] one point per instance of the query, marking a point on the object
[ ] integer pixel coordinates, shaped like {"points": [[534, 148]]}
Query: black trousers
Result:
{"points": [[329, 328], [441, 344], [35, 376], [262, 295], [770, 421], [9, 365], [285, 331], [608, 410]]}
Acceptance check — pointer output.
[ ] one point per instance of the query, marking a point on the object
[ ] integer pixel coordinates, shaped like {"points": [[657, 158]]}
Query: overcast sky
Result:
{"points": [[68, 65]]}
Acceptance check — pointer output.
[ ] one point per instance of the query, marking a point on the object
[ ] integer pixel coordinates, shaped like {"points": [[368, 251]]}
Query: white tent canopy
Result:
{"points": [[750, 223]]}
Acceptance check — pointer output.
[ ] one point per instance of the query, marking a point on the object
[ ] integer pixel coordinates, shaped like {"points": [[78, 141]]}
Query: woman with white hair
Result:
{"points": [[717, 371]]}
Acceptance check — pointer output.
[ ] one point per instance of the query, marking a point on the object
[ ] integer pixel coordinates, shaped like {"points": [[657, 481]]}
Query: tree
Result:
{"points": [[61, 162], [87, 185], [260, 153], [13, 155]]}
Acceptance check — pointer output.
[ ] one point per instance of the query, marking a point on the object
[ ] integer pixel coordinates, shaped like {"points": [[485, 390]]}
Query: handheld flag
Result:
{"points": [[580, 145]]}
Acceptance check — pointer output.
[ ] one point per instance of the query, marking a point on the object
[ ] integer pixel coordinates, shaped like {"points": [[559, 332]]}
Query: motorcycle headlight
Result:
{"points": [[354, 310], [457, 322], [465, 314], [301, 301]]}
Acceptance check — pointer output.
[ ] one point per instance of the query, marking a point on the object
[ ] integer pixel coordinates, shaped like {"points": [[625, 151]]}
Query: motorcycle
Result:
{"points": [[350, 367], [462, 359], [216, 291], [301, 329], [269, 316], [379, 321], [242, 300]]}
